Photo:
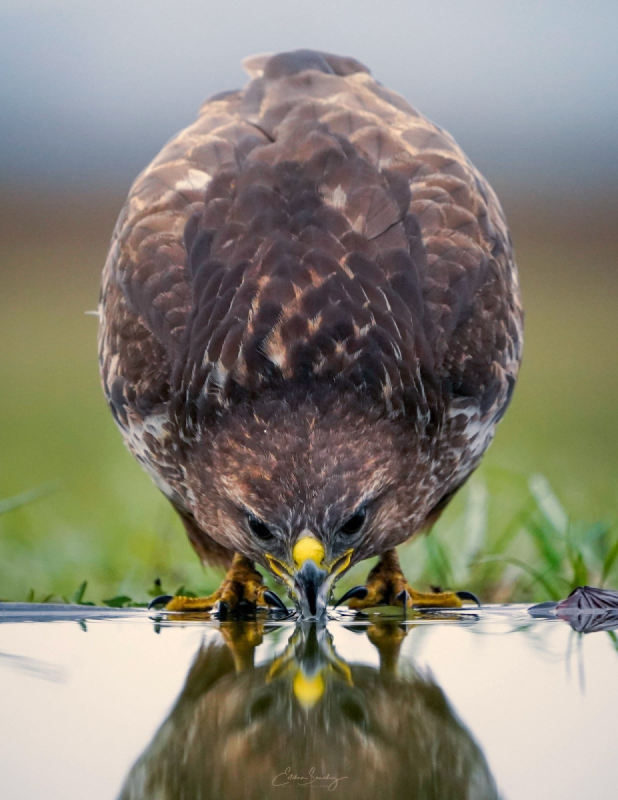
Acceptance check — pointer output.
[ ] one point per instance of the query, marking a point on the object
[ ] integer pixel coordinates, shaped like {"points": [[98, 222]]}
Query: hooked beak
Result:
{"points": [[310, 590], [310, 578]]}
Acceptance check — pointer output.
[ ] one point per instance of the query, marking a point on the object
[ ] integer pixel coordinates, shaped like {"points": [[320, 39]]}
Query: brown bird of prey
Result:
{"points": [[310, 327]]}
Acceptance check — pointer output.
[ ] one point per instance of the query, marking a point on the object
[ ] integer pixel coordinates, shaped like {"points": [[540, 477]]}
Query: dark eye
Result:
{"points": [[354, 523], [259, 528]]}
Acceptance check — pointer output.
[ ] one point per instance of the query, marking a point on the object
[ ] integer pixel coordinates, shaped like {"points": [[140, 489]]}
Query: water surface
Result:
{"points": [[104, 704]]}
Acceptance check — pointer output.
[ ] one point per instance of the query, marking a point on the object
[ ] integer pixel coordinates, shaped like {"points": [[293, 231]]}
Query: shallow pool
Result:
{"points": [[477, 704]]}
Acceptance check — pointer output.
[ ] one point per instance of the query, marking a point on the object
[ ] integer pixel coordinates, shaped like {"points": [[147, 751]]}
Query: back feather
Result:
{"points": [[312, 226]]}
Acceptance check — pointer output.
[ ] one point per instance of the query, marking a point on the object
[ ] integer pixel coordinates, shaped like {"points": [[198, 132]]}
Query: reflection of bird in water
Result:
{"points": [[310, 328], [307, 722]]}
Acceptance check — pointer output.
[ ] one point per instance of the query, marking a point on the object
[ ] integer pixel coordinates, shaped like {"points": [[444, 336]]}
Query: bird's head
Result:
{"points": [[308, 489]]}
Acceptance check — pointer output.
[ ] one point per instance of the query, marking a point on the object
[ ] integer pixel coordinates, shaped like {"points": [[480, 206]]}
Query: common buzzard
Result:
{"points": [[310, 327]]}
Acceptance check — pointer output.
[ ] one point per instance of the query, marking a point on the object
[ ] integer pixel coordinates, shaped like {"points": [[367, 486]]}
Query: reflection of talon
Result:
{"points": [[386, 585], [387, 636], [242, 638], [241, 592]]}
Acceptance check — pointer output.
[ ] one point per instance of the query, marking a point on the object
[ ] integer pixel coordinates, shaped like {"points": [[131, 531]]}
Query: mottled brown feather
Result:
{"points": [[312, 226]]}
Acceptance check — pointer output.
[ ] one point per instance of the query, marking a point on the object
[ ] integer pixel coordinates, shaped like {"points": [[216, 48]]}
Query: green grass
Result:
{"points": [[75, 507]]}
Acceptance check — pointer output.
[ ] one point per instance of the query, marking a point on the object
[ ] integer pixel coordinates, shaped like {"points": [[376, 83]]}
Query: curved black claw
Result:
{"points": [[469, 596], [404, 597], [356, 591], [161, 600], [274, 600]]}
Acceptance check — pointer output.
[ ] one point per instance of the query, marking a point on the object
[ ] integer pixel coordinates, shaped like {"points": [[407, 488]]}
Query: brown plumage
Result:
{"points": [[241, 730], [310, 318]]}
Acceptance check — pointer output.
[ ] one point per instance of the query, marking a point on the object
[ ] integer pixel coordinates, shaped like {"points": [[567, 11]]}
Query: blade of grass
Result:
{"points": [[548, 504], [438, 560], [475, 522], [594, 539], [580, 572], [517, 525], [79, 593], [539, 577], [553, 558], [609, 562], [29, 496]]}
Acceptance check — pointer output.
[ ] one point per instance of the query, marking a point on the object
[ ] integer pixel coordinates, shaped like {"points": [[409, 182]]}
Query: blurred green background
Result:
{"points": [[540, 514]]}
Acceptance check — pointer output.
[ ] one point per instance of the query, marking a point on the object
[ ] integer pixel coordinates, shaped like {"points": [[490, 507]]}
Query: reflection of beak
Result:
{"points": [[308, 690], [310, 578], [312, 661]]}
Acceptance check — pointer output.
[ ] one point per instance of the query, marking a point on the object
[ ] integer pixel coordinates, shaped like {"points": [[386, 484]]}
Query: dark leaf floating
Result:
{"points": [[587, 609]]}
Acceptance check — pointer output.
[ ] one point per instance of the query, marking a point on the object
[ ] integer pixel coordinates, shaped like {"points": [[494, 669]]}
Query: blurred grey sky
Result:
{"points": [[89, 91]]}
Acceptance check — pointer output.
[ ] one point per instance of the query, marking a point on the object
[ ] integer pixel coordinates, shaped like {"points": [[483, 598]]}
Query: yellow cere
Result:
{"points": [[307, 548]]}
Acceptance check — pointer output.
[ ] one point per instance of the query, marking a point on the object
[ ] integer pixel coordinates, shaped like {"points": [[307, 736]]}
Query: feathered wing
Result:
{"points": [[312, 226]]}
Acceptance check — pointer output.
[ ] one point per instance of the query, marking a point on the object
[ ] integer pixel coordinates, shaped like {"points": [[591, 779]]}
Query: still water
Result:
{"points": [[478, 704]]}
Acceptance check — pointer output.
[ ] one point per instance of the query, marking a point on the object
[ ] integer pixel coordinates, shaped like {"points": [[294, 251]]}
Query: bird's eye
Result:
{"points": [[259, 528], [354, 523]]}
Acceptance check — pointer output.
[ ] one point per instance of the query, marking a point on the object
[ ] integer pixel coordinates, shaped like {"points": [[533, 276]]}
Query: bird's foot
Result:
{"points": [[400, 593], [387, 585], [241, 592]]}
